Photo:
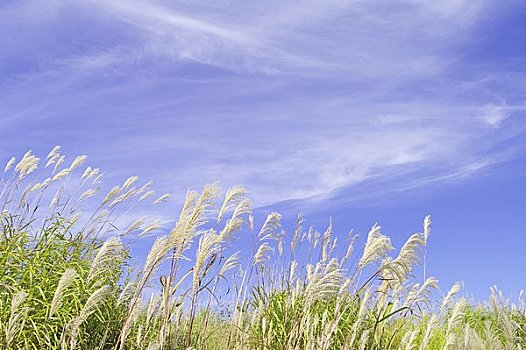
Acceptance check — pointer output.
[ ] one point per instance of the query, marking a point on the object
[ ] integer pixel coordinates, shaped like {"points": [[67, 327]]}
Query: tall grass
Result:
{"points": [[66, 281]]}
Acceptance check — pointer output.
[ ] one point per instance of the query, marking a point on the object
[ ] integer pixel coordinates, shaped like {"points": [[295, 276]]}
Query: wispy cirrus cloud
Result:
{"points": [[295, 101]]}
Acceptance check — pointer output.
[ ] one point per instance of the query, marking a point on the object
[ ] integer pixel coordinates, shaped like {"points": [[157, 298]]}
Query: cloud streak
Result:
{"points": [[295, 102]]}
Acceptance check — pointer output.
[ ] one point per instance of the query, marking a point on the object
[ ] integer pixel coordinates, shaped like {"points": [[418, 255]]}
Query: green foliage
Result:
{"points": [[66, 283], [35, 264]]}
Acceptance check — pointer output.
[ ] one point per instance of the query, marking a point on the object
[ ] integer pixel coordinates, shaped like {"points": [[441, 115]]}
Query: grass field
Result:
{"points": [[66, 281]]}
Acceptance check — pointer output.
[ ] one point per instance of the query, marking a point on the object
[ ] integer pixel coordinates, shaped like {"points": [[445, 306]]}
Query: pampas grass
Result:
{"points": [[66, 280]]}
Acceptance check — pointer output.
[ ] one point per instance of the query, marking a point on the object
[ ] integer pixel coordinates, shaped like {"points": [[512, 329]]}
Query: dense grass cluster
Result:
{"points": [[66, 281]]}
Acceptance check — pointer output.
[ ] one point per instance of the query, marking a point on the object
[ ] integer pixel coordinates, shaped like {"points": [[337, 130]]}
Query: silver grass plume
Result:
{"points": [[129, 182], [350, 248], [36, 187], [123, 197], [408, 257], [16, 317], [52, 159], [313, 237], [263, 254], [139, 337], [236, 221], [59, 162], [54, 152], [326, 240], [251, 223], [79, 160], [280, 237], [97, 177], [507, 327], [427, 233], [472, 341], [292, 272], [46, 182], [324, 281], [428, 332], [155, 255], [155, 225], [91, 305], [421, 294], [162, 198], [270, 226], [363, 339], [233, 197], [154, 258], [126, 293], [41, 185], [491, 340], [61, 174], [203, 204], [152, 309], [68, 277], [23, 197], [450, 295], [27, 165], [146, 195], [9, 164], [86, 174], [377, 247], [208, 246], [134, 226], [54, 200], [88, 193], [111, 251], [144, 188], [454, 321], [360, 319], [297, 232], [114, 192], [410, 340], [427, 228], [231, 262]]}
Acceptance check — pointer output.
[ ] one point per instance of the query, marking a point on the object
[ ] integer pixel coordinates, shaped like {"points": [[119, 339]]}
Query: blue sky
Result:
{"points": [[366, 111]]}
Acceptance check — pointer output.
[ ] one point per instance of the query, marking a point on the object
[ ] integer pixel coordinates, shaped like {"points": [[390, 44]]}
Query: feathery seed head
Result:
{"points": [[123, 197], [79, 160], [129, 182], [427, 228], [457, 287], [233, 197], [162, 198], [409, 256], [86, 174], [145, 187], [376, 248], [61, 174], [135, 225], [152, 227], [111, 251], [115, 191], [270, 226], [27, 165], [146, 195], [88, 193], [263, 254], [68, 277], [54, 152], [230, 263], [9, 164], [59, 162]]}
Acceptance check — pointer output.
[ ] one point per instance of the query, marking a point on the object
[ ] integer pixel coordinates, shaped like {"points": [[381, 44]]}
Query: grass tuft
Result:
{"points": [[66, 281]]}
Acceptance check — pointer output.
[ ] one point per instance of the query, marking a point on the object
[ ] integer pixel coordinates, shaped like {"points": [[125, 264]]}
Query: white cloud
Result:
{"points": [[495, 115], [292, 100]]}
